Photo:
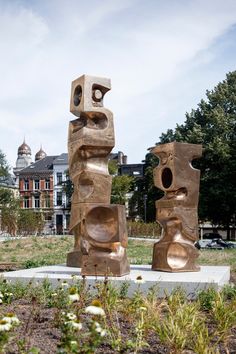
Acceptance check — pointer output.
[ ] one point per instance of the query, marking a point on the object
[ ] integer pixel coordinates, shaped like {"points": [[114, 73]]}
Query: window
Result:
{"points": [[26, 202], [36, 201], [26, 184], [59, 198], [47, 201], [47, 183], [59, 177], [36, 184]]}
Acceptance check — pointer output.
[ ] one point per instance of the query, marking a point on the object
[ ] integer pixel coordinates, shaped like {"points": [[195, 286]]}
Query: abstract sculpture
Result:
{"points": [[99, 228], [177, 210]]}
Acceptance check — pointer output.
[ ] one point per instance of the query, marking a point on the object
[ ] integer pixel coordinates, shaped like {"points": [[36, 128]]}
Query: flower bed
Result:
{"points": [[77, 319]]}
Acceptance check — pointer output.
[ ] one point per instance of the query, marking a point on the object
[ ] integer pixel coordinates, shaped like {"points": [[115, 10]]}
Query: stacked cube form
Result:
{"points": [[99, 227], [177, 210]]}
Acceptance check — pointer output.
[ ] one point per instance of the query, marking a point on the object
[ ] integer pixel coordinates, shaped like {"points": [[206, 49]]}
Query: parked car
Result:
{"points": [[211, 236], [216, 243]]}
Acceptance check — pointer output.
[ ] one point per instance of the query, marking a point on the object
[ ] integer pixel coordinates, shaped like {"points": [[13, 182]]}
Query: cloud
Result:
{"points": [[160, 55]]}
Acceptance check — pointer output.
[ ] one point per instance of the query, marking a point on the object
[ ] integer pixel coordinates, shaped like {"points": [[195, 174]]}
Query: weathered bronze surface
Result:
{"points": [[177, 210], [99, 227]]}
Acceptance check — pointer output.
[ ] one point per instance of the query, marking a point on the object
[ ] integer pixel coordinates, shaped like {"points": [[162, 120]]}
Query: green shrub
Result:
{"points": [[207, 298], [150, 230]]}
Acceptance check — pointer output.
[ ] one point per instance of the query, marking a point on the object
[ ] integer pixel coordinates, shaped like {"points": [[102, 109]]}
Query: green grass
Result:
{"points": [[36, 251]]}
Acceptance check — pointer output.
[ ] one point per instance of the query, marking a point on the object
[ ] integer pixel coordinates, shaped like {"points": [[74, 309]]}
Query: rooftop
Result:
{"points": [[43, 165]]}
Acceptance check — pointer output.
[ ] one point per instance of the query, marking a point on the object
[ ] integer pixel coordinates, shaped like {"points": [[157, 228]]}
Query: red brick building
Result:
{"points": [[36, 188]]}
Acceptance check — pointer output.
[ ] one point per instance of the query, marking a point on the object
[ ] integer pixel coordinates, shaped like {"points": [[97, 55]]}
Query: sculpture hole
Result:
{"points": [[177, 256], [101, 224], [166, 177], [85, 187], [77, 95]]}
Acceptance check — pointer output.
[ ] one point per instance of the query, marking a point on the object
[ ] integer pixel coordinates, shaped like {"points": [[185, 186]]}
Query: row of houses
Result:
{"points": [[41, 184]]}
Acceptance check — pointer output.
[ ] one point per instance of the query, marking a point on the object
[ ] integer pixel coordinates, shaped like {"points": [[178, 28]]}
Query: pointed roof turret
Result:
{"points": [[40, 154], [24, 149]]}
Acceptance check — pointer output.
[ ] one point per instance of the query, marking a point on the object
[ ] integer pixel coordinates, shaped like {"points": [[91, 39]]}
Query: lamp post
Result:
{"points": [[145, 207], [63, 217]]}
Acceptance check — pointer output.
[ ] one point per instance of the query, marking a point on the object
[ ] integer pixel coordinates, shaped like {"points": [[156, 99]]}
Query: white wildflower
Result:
{"points": [[9, 294], [95, 310], [0, 301], [74, 297], [64, 284], [1, 294], [74, 324], [11, 318], [142, 308], [4, 326], [139, 280], [71, 316], [98, 327], [74, 344], [103, 333], [54, 294], [77, 325], [74, 277]]}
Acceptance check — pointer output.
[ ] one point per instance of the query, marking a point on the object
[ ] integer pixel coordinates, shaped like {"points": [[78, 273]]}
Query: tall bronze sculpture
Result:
{"points": [[99, 228], [177, 210]]}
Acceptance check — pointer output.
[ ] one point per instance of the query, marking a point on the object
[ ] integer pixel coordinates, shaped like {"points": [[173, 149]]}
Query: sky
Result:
{"points": [[161, 57]]}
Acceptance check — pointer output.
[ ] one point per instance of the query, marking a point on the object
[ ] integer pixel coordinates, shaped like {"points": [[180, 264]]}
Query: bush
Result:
{"points": [[30, 222], [150, 230]]}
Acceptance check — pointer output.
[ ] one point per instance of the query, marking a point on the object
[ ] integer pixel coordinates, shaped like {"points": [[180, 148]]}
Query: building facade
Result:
{"points": [[61, 214], [36, 189]]}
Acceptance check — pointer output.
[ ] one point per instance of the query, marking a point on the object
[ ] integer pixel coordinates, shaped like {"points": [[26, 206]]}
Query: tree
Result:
{"points": [[145, 193], [4, 167], [121, 185], [6, 196], [9, 207], [68, 188], [213, 124], [30, 222]]}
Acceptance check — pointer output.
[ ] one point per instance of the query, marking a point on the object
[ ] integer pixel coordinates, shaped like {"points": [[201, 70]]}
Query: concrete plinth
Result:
{"points": [[191, 282]]}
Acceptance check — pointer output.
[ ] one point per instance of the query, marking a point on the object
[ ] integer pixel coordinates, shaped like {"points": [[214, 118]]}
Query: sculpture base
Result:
{"points": [[174, 257], [74, 259], [105, 264], [191, 283]]}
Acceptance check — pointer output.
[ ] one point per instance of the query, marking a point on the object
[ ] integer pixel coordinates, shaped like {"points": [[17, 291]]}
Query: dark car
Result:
{"points": [[216, 244], [211, 236]]}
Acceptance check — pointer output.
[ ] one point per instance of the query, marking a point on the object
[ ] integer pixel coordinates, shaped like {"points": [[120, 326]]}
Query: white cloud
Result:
{"points": [[160, 56]]}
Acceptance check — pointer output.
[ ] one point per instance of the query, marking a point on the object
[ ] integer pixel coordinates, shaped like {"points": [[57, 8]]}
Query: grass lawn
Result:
{"points": [[37, 251]]}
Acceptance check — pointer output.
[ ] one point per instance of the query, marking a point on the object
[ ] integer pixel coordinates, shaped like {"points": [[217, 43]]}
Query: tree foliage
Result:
{"points": [[4, 167], [145, 193], [29, 222], [121, 185], [213, 124], [6, 196]]}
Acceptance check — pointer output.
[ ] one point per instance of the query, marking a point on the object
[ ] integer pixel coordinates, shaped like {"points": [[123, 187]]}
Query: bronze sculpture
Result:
{"points": [[177, 210], [99, 228]]}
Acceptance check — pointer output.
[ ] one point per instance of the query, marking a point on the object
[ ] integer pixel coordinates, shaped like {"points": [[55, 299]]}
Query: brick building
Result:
{"points": [[36, 188]]}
